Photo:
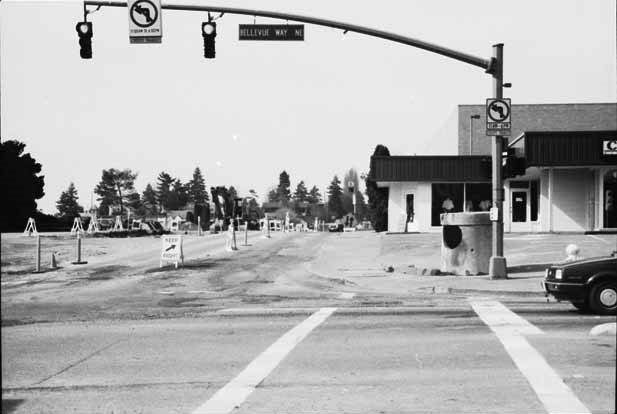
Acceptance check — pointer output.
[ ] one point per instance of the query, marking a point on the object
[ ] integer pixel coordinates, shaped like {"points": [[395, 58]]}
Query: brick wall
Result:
{"points": [[537, 117]]}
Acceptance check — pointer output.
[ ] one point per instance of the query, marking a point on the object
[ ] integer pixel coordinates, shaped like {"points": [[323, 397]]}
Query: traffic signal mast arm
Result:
{"points": [[487, 65], [492, 66]]}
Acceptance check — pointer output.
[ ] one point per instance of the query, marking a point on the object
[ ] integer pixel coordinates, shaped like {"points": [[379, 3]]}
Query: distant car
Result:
{"points": [[335, 227], [589, 284]]}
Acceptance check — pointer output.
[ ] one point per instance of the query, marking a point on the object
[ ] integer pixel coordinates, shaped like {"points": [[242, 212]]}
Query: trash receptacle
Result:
{"points": [[466, 243]]}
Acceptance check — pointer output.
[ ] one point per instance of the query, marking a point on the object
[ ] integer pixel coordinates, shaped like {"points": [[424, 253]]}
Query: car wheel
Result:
{"points": [[582, 306], [603, 298]]}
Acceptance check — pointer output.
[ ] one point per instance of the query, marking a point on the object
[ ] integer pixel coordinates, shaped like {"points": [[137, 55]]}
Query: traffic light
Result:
{"points": [[84, 30], [208, 31], [512, 165]]}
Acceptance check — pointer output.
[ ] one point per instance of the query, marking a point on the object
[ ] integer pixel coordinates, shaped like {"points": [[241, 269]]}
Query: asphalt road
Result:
{"points": [[299, 323], [358, 360]]}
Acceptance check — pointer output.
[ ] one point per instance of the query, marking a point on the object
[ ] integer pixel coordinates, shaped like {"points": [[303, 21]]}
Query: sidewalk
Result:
{"points": [[362, 259]]}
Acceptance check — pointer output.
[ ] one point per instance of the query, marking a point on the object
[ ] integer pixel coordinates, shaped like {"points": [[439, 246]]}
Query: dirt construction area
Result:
{"points": [[122, 278]]}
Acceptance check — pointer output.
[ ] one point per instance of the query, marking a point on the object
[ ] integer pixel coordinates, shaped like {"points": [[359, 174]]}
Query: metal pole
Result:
{"points": [[38, 253], [246, 232], [497, 264], [79, 261], [470, 133], [453, 54]]}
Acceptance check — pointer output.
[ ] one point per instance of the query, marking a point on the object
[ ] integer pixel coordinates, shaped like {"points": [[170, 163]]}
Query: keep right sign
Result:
{"points": [[171, 250], [498, 115]]}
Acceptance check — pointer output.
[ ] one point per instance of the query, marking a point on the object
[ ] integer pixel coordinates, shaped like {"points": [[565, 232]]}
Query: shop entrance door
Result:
{"points": [[410, 222], [519, 202]]}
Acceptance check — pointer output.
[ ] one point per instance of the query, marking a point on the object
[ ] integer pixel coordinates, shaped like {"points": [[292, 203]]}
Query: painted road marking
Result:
{"points": [[556, 396], [238, 389], [502, 320], [346, 295], [599, 238]]}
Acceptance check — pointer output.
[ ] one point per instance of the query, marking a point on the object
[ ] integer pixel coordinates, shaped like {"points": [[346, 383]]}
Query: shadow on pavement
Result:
{"points": [[535, 267], [9, 405]]}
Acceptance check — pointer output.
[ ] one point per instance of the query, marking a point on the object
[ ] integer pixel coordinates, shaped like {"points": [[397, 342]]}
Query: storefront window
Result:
{"points": [[610, 194], [478, 197], [446, 198]]}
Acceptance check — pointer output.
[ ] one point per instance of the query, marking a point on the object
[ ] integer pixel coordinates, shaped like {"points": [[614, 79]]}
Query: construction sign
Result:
{"points": [[171, 250]]}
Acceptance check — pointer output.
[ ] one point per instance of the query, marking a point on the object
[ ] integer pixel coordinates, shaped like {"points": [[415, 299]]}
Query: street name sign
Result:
{"points": [[498, 117], [145, 21], [271, 32], [171, 250]]}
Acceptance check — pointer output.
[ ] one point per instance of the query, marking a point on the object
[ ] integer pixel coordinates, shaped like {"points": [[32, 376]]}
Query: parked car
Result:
{"points": [[589, 284], [335, 227]]}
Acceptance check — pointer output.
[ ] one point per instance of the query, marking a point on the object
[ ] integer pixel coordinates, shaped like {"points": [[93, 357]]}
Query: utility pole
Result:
{"points": [[497, 263], [471, 118]]}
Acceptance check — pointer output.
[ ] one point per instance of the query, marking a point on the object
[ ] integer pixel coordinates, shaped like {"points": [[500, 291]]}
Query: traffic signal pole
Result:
{"points": [[492, 66], [497, 262]]}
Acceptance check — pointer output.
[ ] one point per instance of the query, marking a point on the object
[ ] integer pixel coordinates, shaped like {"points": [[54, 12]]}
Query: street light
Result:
{"points": [[471, 118]]}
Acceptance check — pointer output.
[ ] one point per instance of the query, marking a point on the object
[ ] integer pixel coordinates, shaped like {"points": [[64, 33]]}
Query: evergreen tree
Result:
{"points": [[178, 196], [21, 185], [377, 197], [197, 189], [335, 198], [301, 193], [133, 200], [314, 196], [163, 190], [233, 193], [273, 196], [283, 192], [115, 188], [148, 199], [67, 203]]}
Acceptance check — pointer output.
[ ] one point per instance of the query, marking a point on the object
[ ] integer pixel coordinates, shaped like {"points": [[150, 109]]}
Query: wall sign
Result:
{"points": [[609, 147]]}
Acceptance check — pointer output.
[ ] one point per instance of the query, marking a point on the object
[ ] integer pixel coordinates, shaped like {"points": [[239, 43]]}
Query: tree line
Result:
{"points": [[23, 184]]}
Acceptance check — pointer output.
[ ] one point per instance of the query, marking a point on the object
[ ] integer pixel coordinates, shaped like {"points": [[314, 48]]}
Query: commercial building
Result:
{"points": [[569, 184]]}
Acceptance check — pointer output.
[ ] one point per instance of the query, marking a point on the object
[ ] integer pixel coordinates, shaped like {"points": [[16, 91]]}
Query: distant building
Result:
{"points": [[570, 182]]}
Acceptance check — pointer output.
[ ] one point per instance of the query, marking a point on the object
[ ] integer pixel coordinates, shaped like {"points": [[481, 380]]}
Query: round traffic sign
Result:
{"points": [[144, 13], [498, 110]]}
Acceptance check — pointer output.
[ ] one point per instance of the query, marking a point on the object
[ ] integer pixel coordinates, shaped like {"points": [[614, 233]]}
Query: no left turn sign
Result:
{"points": [[145, 21], [498, 114]]}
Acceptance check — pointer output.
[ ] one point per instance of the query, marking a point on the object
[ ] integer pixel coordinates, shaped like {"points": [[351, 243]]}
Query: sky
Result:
{"points": [[314, 108]]}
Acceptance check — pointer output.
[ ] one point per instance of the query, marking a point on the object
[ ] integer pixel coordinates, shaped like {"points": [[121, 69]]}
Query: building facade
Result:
{"points": [[569, 184]]}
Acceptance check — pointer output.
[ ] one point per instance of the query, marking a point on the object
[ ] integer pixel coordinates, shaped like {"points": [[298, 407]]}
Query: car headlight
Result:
{"points": [[558, 274]]}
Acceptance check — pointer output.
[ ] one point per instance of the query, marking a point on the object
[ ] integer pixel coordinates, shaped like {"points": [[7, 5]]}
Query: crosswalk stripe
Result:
{"points": [[238, 389], [554, 394]]}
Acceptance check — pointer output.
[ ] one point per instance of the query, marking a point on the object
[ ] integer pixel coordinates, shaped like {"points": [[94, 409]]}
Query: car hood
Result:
{"points": [[584, 262]]}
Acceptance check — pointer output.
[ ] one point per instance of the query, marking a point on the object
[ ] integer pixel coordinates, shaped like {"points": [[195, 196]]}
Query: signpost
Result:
{"points": [[271, 32], [145, 21], [171, 250]]}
